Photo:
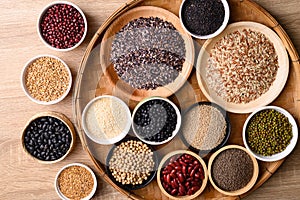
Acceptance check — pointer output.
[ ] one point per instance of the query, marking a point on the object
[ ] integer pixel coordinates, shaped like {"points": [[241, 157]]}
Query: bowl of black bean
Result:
{"points": [[131, 164], [62, 26], [204, 19], [232, 170], [48, 137], [205, 128], [270, 133], [156, 120]]}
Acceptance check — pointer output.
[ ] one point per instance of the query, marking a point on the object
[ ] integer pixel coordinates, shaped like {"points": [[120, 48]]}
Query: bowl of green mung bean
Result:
{"points": [[270, 133]]}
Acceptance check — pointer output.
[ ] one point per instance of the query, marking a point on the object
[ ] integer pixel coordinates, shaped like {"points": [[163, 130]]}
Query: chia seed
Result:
{"points": [[148, 53], [202, 17], [232, 169]]}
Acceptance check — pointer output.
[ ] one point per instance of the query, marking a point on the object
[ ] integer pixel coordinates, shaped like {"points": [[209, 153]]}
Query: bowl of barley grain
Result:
{"points": [[46, 79]]}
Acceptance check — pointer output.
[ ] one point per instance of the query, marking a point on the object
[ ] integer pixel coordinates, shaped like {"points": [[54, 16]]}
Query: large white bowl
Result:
{"points": [[287, 150], [23, 84], [60, 194], [217, 32], [106, 141], [40, 19], [178, 124]]}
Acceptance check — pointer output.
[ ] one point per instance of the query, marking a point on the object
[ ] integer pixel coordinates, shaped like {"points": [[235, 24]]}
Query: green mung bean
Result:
{"points": [[269, 132]]}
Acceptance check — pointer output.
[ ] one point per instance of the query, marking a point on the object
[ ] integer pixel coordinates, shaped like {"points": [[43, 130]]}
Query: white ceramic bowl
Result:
{"points": [[103, 140], [60, 194], [23, 84], [288, 149], [178, 124], [40, 19], [217, 32]]}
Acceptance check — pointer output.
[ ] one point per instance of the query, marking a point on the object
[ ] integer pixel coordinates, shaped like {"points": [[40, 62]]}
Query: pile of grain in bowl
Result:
{"points": [[131, 163], [47, 79], [242, 66], [148, 53], [106, 118], [204, 127]]}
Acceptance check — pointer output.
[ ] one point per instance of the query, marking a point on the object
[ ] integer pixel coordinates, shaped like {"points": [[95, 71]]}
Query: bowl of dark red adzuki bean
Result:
{"points": [[204, 19], [156, 120], [182, 174], [62, 26], [48, 137], [232, 170], [205, 128]]}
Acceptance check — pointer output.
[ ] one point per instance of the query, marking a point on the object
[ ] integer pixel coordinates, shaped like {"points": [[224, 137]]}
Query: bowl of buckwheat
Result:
{"points": [[131, 164], [46, 79]]}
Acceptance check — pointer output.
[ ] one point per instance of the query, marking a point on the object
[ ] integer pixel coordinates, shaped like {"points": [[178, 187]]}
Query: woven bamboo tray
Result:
{"points": [[92, 82]]}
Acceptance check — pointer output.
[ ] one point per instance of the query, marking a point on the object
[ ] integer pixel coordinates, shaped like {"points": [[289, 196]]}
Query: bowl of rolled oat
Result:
{"points": [[46, 79], [243, 68]]}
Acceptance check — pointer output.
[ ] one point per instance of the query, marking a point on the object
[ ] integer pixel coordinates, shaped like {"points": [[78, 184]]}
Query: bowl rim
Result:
{"points": [[249, 185], [62, 118], [204, 153], [61, 195], [290, 146], [23, 85], [110, 140], [162, 163], [145, 182], [178, 124], [40, 19], [217, 32]]}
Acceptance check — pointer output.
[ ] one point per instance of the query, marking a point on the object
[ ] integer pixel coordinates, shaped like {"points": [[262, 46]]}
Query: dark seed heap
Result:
{"points": [[183, 175], [47, 138], [232, 169], [269, 132], [148, 53], [203, 17], [155, 120], [62, 26]]}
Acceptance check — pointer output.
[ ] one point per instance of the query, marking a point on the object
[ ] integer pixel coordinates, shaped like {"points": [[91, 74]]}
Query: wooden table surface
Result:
{"points": [[23, 178]]}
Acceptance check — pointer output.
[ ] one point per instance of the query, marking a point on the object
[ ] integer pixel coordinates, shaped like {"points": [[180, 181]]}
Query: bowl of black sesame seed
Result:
{"points": [[205, 127], [131, 164], [48, 137], [156, 120], [62, 26], [204, 19], [270, 133]]}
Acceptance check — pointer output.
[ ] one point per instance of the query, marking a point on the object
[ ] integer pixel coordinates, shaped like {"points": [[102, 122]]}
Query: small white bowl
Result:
{"points": [[60, 194], [217, 32], [23, 84], [178, 124], [103, 140], [287, 150], [40, 19]]}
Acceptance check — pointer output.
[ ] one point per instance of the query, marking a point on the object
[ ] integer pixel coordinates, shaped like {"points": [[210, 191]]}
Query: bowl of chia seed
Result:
{"points": [[235, 177], [204, 19], [270, 133], [156, 120]]}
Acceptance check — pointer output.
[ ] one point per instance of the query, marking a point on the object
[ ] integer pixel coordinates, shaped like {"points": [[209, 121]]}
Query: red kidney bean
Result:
{"points": [[182, 176]]}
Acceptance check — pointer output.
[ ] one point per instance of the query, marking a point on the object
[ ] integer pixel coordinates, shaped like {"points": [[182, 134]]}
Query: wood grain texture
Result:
{"points": [[22, 177]]}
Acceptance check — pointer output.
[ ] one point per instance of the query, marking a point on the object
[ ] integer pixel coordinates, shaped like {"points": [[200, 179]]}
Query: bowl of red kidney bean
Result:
{"points": [[62, 26], [182, 174]]}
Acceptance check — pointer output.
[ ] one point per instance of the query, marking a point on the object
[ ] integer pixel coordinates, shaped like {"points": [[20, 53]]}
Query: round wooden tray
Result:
{"points": [[91, 82]]}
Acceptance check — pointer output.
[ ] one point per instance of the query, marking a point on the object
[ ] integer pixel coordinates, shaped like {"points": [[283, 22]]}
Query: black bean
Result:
{"points": [[45, 144]]}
